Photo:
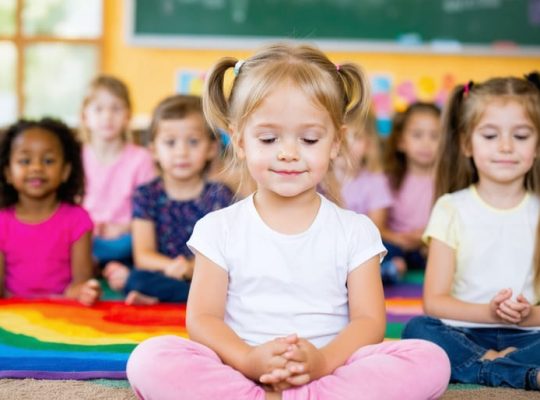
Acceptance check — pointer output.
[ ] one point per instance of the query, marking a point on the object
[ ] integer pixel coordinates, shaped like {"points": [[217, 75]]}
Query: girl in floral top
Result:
{"points": [[166, 209]]}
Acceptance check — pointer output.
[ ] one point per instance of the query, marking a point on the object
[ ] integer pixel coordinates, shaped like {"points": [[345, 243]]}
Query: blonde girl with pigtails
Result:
{"points": [[286, 300], [482, 286]]}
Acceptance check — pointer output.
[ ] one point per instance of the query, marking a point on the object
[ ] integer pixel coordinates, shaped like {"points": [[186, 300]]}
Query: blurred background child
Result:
{"points": [[45, 236], [166, 209], [364, 187], [113, 166], [409, 159]]}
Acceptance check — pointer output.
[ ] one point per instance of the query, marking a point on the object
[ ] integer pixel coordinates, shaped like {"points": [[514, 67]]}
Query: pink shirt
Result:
{"points": [[37, 257], [109, 187], [367, 192], [412, 204]]}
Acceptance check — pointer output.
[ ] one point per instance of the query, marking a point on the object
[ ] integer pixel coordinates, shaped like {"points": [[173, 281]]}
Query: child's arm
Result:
{"points": [[438, 301], [205, 324], [83, 287], [146, 255]]}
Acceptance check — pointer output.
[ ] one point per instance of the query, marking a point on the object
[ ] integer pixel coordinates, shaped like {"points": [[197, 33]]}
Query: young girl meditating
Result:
{"points": [[166, 209], [113, 166], [482, 282], [45, 236], [286, 299]]}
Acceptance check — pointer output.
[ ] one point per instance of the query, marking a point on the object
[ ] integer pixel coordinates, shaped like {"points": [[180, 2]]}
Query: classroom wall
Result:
{"points": [[151, 72]]}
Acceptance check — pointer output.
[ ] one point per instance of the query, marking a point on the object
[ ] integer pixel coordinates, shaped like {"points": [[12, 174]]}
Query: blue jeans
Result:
{"points": [[465, 347], [117, 249], [155, 284]]}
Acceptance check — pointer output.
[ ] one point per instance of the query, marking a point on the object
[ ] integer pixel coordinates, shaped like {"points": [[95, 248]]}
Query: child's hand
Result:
{"points": [[514, 312], [89, 292], [409, 240], [496, 301], [181, 268], [277, 377], [267, 358], [305, 362]]}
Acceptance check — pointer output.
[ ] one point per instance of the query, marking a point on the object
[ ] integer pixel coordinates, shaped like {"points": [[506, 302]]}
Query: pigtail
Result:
{"points": [[215, 103], [357, 91], [454, 171]]}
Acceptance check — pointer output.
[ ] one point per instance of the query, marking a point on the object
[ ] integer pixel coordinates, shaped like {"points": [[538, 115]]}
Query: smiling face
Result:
{"points": [[504, 144], [37, 166], [287, 143]]}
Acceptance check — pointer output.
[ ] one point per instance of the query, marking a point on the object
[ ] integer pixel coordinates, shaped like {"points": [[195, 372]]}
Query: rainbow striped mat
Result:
{"points": [[59, 339]]}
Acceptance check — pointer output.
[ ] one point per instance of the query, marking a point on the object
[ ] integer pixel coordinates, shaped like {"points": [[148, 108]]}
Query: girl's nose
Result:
{"points": [[505, 144], [288, 152]]}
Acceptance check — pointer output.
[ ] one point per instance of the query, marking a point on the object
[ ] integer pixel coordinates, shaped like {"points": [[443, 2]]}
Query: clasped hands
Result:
{"points": [[285, 362], [180, 268], [507, 310]]}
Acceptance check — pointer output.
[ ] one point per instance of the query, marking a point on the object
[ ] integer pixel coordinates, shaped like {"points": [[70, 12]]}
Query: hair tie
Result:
{"points": [[534, 78], [467, 88], [338, 67], [237, 67]]}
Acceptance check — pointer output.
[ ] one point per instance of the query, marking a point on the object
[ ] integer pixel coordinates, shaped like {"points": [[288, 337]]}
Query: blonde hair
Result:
{"points": [[395, 160], [117, 88], [464, 110], [343, 91], [371, 159]]}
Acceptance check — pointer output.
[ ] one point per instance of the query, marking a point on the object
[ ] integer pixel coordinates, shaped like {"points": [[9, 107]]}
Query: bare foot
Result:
{"points": [[136, 298], [116, 275], [492, 354]]}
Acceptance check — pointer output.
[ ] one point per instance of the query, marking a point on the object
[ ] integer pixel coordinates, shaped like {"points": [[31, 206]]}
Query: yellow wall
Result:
{"points": [[150, 72]]}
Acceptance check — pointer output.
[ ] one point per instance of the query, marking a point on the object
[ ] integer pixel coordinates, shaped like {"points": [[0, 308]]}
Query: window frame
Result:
{"points": [[22, 41]]}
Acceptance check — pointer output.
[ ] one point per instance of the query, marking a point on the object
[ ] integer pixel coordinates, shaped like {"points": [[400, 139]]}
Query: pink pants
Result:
{"points": [[170, 367]]}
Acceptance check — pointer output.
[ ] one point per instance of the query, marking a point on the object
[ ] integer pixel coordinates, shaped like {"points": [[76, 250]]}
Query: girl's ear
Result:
{"points": [[466, 147], [66, 172], [237, 142], [336, 145]]}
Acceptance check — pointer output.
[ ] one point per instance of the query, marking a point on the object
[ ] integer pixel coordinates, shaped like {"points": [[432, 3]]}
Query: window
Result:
{"points": [[50, 50]]}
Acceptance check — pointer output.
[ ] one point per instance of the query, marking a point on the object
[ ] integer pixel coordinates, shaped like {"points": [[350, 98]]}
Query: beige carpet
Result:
{"points": [[32, 389]]}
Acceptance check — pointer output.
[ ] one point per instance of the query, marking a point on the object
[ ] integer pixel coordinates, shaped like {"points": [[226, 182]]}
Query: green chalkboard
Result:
{"points": [[467, 22]]}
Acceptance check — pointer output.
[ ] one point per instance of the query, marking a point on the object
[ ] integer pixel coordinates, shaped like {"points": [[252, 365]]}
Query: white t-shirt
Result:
{"points": [[281, 284], [494, 248]]}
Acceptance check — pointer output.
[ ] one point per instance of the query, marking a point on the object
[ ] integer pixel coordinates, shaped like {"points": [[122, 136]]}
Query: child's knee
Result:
{"points": [[150, 355]]}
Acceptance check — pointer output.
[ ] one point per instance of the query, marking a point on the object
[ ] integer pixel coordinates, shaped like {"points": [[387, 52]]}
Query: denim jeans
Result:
{"points": [[155, 284], [465, 347], [117, 249]]}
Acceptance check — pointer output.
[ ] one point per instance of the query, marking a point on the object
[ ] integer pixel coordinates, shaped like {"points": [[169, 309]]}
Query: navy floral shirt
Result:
{"points": [[174, 219]]}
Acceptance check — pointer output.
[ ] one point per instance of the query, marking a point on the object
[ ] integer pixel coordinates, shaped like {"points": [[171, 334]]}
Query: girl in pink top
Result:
{"points": [[45, 237], [364, 187], [113, 166], [409, 161]]}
